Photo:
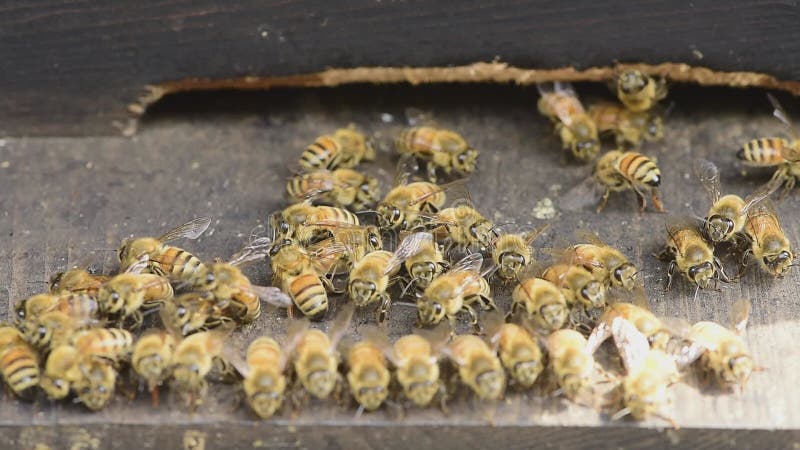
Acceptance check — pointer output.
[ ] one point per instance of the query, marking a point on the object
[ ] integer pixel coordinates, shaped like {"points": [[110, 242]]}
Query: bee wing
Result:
{"points": [[674, 224], [763, 208], [532, 235], [584, 194], [470, 263], [740, 314], [165, 313], [630, 342], [639, 297], [341, 323], [294, 333], [416, 117], [256, 249], [231, 355], [760, 194], [272, 295], [686, 353], [708, 174], [599, 334], [380, 339], [406, 167], [676, 326], [189, 230], [140, 265], [564, 110], [438, 338], [590, 237], [456, 189], [492, 324], [409, 246], [780, 114]]}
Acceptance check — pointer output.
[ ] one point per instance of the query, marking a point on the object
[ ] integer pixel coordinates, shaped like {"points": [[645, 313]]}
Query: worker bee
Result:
{"points": [[127, 294], [264, 380], [426, 265], [78, 305], [628, 127], [345, 188], [19, 362], [690, 254], [111, 344], [68, 314], [402, 206], [639, 92], [607, 264], [519, 351], [367, 375], [577, 130], [463, 226], [439, 148], [722, 352], [578, 285], [769, 244], [77, 281], [192, 312], [307, 223], [95, 387], [571, 363], [301, 278], [164, 259], [315, 356], [456, 291], [478, 366], [541, 301], [727, 215], [347, 245], [371, 276], [649, 374], [511, 252], [345, 148], [775, 151], [193, 359], [416, 361], [152, 358]]}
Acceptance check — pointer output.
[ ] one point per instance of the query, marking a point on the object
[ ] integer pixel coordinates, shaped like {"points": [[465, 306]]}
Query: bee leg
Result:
{"points": [[385, 307], [442, 394], [473, 319], [720, 271], [743, 262], [431, 168], [641, 199], [137, 318], [670, 275], [603, 201], [657, 201]]}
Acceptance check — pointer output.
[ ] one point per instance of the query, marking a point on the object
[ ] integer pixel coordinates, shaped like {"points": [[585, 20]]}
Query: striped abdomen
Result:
{"points": [[638, 169], [263, 352], [308, 294], [606, 116], [417, 140], [323, 153], [108, 343], [248, 306], [309, 185], [764, 151], [175, 263], [19, 365], [77, 305]]}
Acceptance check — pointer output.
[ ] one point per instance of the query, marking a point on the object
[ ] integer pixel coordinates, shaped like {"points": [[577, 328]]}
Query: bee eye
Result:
{"points": [[395, 215], [181, 312], [462, 157], [285, 227], [473, 230], [365, 188], [437, 307], [115, 296], [42, 332], [373, 241], [210, 278]]}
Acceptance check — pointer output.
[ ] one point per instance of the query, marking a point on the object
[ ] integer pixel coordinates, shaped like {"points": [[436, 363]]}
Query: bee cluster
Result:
{"points": [[429, 248]]}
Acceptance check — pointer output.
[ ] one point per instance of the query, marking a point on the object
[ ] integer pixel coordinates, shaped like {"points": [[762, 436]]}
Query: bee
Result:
{"points": [[775, 152], [347, 245], [727, 215], [607, 264], [345, 188], [649, 374], [77, 281], [628, 127], [541, 301], [402, 206], [368, 375], [478, 366], [512, 252], [306, 223], [192, 312], [315, 356], [19, 362], [164, 259], [96, 385], [300, 277], [264, 380], [722, 352], [416, 361], [439, 148], [426, 265], [371, 276], [127, 294], [345, 148], [111, 344], [465, 227], [519, 351], [53, 327], [690, 254], [769, 244], [193, 359], [578, 285], [456, 291], [577, 130], [639, 92], [152, 358], [572, 363], [656, 331], [78, 305]]}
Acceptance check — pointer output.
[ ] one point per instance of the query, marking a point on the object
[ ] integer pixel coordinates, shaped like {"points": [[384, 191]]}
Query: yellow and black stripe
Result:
{"points": [[323, 153], [639, 169], [308, 294], [764, 151], [20, 367], [176, 263]]}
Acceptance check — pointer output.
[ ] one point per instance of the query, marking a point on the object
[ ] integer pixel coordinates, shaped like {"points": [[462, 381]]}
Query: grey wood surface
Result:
{"points": [[226, 155]]}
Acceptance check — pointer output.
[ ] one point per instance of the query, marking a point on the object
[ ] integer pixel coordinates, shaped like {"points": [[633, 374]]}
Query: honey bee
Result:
{"points": [[315, 356], [649, 374], [572, 363], [426, 265], [19, 362], [519, 351], [541, 301], [54, 326], [769, 244], [628, 127], [152, 358], [607, 264], [127, 294], [193, 359], [578, 285], [345, 148], [464, 227], [77, 281], [345, 188], [478, 366], [299, 276], [308, 223], [78, 305], [776, 152], [722, 352], [402, 206], [111, 344], [727, 215], [511, 252], [371, 276], [456, 291], [367, 375], [416, 360], [347, 245], [577, 130], [656, 331], [439, 148], [164, 259], [96, 385], [639, 92], [264, 380], [690, 254]]}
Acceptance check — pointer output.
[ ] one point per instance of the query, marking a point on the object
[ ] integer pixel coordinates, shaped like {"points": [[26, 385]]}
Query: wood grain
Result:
{"points": [[63, 198]]}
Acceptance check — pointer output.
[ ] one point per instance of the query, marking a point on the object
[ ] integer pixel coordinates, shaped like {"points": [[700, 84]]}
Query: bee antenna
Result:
{"points": [[39, 281], [405, 289], [105, 250], [367, 211], [696, 290], [621, 413]]}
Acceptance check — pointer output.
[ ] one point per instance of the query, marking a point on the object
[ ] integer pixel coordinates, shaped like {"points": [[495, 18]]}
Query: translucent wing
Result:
{"points": [[190, 230], [740, 314], [258, 248], [380, 339], [676, 224], [272, 295], [582, 195], [687, 353], [140, 265], [535, 233], [764, 208], [341, 323], [417, 117], [407, 166], [676, 326], [631, 343], [456, 189], [563, 101], [708, 174], [599, 334], [780, 113], [438, 337], [590, 237], [409, 246], [761, 193], [470, 263], [294, 333], [492, 324]]}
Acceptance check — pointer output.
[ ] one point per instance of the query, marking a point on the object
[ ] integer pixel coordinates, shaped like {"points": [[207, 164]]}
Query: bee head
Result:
{"points": [[430, 312], [631, 82], [702, 274], [526, 372], [369, 192], [491, 384], [361, 291], [553, 315], [780, 263], [586, 149], [423, 273], [55, 388], [654, 128], [738, 369], [593, 293], [624, 275], [265, 393], [646, 398], [719, 228], [320, 383], [55, 281], [659, 339], [572, 384], [465, 161], [95, 388], [511, 263], [390, 216]]}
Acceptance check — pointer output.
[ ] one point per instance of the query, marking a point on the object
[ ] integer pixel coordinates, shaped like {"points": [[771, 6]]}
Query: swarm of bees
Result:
{"points": [[426, 245]]}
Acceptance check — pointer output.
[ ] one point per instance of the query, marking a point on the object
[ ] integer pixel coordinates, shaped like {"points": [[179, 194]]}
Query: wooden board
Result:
{"points": [[226, 156], [75, 68]]}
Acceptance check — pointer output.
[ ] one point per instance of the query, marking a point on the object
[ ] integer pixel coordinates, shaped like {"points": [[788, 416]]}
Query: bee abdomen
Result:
{"points": [[639, 168], [763, 151], [20, 368], [323, 153], [309, 294]]}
